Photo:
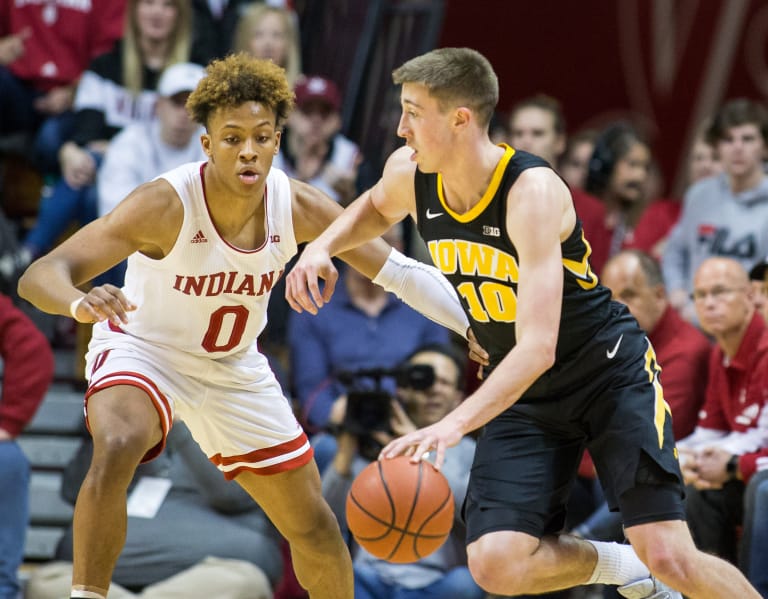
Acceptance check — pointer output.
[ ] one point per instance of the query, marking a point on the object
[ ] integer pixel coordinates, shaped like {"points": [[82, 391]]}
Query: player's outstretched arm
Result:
{"points": [[333, 232], [147, 221]]}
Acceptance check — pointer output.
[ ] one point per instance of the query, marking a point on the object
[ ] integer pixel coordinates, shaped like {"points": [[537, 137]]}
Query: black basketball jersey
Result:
{"points": [[475, 253]]}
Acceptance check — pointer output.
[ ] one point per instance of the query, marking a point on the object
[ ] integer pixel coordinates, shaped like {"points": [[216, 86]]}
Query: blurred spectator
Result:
{"points": [[313, 149], [443, 574], [733, 424], [214, 24], [574, 161], [200, 516], [44, 49], [662, 214], [271, 32], [726, 215], [703, 160], [618, 176], [142, 151], [537, 125], [26, 374], [363, 326], [119, 88]]}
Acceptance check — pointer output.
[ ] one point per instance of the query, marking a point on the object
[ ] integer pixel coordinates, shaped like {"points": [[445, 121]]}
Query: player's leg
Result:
{"points": [[516, 563], [520, 482], [125, 425], [668, 550], [294, 502]]}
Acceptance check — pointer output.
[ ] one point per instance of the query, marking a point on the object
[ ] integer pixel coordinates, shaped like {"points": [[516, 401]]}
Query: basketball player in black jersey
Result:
{"points": [[568, 367]]}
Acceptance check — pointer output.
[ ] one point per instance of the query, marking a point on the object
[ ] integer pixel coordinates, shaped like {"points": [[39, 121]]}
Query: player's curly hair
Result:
{"points": [[240, 78]]}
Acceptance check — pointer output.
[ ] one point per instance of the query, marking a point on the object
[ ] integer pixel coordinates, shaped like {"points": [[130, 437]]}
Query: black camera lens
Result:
{"points": [[416, 376]]}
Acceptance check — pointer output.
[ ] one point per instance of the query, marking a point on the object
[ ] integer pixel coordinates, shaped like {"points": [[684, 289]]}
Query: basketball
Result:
{"points": [[400, 511]]}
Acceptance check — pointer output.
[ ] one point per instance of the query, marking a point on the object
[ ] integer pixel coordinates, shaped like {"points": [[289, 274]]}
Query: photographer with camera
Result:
{"points": [[363, 326], [429, 385]]}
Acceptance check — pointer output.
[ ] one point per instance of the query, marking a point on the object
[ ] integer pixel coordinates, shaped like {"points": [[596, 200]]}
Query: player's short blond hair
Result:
{"points": [[455, 77], [237, 79]]}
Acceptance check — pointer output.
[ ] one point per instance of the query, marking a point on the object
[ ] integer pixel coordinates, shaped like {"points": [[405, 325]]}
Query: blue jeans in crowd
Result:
{"points": [[14, 515], [59, 208], [455, 584]]}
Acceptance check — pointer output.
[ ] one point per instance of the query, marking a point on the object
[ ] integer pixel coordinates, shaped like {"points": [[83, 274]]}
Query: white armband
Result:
{"points": [[425, 289]]}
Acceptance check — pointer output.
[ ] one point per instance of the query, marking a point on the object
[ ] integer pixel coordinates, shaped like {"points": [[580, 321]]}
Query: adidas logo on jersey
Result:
{"points": [[199, 238]]}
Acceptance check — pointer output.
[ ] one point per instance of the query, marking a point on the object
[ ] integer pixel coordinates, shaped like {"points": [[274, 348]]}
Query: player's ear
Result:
{"points": [[462, 116], [278, 137], [205, 141]]}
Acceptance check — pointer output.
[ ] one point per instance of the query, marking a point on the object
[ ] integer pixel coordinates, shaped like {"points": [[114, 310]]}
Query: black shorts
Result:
{"points": [[607, 398]]}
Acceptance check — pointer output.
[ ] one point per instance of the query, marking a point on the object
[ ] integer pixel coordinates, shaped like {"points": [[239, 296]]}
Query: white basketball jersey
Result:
{"points": [[207, 297]]}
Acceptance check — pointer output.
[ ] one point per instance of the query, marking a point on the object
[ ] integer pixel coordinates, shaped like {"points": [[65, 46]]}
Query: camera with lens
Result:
{"points": [[368, 404]]}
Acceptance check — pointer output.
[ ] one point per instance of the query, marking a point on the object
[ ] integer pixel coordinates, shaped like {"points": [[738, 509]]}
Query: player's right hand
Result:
{"points": [[105, 302], [302, 285]]}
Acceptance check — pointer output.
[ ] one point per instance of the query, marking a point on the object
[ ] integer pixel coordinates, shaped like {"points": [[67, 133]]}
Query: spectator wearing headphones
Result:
{"points": [[619, 176]]}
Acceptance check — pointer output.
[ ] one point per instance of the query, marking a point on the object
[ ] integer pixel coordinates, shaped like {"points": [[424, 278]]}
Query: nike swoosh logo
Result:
{"points": [[611, 353], [432, 215]]}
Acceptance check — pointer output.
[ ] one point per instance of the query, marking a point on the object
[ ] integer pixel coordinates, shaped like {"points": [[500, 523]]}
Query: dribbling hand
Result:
{"points": [[436, 437], [105, 302]]}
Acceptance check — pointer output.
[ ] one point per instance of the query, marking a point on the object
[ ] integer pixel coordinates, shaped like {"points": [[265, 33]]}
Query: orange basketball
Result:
{"points": [[400, 511]]}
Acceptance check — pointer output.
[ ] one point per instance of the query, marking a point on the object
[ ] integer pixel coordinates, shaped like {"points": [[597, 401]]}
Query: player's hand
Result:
{"points": [[105, 302], [302, 285], [437, 437], [476, 351]]}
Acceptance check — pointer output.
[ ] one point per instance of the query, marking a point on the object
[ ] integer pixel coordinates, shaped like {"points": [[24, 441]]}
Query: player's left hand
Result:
{"points": [[302, 285], [476, 351], [437, 437]]}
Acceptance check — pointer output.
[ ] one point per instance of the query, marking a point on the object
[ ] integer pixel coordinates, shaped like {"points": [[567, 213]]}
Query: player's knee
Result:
{"points": [[315, 530], [119, 450], [498, 568], [669, 562]]}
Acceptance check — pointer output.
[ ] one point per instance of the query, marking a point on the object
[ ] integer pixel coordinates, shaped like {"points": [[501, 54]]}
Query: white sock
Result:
{"points": [[80, 594], [616, 564]]}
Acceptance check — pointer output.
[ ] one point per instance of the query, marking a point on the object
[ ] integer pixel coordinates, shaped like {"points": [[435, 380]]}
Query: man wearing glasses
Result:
{"points": [[733, 424]]}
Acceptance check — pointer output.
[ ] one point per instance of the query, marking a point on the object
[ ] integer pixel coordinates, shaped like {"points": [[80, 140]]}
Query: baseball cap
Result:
{"points": [[178, 78], [757, 272], [317, 89]]}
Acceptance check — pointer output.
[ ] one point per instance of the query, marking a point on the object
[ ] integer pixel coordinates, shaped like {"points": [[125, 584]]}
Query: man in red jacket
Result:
{"points": [[733, 424], [27, 372]]}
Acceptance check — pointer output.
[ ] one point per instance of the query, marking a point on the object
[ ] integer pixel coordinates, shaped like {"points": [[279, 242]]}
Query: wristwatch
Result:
{"points": [[732, 467]]}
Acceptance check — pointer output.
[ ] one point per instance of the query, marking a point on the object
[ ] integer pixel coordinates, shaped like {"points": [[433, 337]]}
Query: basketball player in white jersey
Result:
{"points": [[205, 244]]}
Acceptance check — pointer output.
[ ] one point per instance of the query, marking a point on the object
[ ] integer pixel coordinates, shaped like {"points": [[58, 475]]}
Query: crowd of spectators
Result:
{"points": [[99, 108]]}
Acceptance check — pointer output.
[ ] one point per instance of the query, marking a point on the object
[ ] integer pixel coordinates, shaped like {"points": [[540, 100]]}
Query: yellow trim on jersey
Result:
{"points": [[493, 187], [584, 275], [661, 407]]}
